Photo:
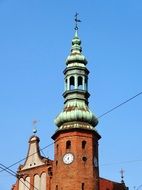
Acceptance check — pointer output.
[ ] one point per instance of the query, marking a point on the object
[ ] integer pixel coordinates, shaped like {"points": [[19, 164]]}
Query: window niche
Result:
{"points": [[83, 145], [72, 83], [80, 83], [68, 145], [50, 171], [82, 186]]}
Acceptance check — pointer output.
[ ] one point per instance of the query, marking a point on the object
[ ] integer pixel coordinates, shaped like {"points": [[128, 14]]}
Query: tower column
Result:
{"points": [[84, 85], [76, 81], [67, 84]]}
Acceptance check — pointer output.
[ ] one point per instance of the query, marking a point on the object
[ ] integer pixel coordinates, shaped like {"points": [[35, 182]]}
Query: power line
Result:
{"points": [[26, 157], [139, 187], [114, 108], [122, 162], [11, 172], [8, 171], [43, 153]]}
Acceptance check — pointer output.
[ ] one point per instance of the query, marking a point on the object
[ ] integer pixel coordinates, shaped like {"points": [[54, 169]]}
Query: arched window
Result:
{"points": [[71, 83], [22, 184], [80, 83], [43, 181], [83, 144], [82, 186], [36, 182], [68, 145], [50, 171]]}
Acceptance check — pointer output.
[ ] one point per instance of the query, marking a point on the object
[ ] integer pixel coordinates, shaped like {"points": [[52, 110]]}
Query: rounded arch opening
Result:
{"points": [[83, 144], [68, 145], [72, 83], [80, 83]]}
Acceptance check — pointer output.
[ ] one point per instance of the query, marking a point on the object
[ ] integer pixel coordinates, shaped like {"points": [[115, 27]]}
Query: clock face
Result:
{"points": [[68, 158]]}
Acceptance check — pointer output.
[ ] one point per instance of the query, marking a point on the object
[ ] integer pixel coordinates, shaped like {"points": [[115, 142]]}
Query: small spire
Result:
{"points": [[76, 22]]}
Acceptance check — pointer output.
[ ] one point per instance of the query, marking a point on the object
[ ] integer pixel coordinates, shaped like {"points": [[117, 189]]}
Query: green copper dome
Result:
{"points": [[76, 111], [76, 55]]}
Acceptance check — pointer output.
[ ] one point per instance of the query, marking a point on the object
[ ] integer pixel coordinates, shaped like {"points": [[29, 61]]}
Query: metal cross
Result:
{"points": [[76, 21]]}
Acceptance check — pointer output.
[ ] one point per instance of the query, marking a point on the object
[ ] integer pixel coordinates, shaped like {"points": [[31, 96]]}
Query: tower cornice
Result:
{"points": [[68, 131], [76, 95], [76, 67]]}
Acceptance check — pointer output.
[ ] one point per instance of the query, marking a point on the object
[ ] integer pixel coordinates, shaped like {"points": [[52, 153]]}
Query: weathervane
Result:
{"points": [[122, 175], [76, 21], [34, 123]]}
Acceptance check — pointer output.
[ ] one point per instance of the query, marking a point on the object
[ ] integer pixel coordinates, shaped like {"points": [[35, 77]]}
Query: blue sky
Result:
{"points": [[35, 39]]}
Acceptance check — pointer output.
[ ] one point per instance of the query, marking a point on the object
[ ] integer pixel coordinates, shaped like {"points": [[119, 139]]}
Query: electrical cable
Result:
{"points": [[114, 108], [97, 117], [139, 187], [43, 153], [122, 162], [13, 175], [11, 172], [26, 157]]}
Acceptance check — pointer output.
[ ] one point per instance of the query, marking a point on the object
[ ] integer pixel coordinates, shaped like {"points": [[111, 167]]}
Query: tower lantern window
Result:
{"points": [[80, 82], [72, 83]]}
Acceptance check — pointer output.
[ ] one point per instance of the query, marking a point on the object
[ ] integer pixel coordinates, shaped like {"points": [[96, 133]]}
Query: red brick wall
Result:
{"points": [[31, 173], [72, 176], [111, 185]]}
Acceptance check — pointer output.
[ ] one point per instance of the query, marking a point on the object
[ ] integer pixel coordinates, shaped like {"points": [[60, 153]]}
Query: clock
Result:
{"points": [[68, 158]]}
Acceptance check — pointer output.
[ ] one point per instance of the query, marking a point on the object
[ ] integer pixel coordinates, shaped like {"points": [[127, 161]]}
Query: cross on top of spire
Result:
{"points": [[76, 21]]}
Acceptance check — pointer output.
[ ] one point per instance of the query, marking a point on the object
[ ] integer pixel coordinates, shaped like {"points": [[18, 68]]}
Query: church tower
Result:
{"points": [[76, 139], [75, 165]]}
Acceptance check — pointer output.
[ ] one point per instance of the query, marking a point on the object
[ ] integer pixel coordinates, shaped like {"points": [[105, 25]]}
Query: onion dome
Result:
{"points": [[76, 55], [76, 111]]}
